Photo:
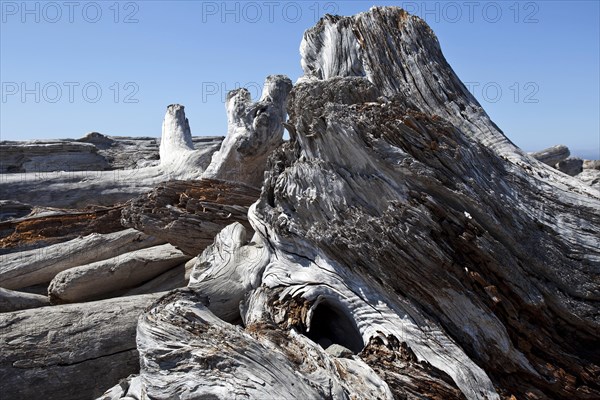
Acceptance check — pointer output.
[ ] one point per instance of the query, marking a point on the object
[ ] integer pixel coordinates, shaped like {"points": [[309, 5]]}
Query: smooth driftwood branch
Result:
{"points": [[172, 279], [99, 279]]}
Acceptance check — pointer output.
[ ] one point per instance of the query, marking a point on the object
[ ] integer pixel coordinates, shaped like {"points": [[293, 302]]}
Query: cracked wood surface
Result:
{"points": [[188, 214], [74, 351], [400, 223]]}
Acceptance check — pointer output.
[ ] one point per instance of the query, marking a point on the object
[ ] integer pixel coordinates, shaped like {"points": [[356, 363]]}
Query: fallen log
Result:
{"points": [[188, 214], [28, 268], [552, 155], [169, 280], [570, 166], [79, 189], [57, 227], [74, 351], [99, 279], [11, 300], [10, 209]]}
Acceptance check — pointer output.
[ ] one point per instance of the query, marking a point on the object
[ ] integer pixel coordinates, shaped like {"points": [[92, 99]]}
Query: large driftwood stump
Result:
{"points": [[401, 224], [254, 130]]}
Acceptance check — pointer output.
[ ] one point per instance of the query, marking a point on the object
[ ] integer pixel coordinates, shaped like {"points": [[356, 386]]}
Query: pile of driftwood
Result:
{"points": [[397, 246]]}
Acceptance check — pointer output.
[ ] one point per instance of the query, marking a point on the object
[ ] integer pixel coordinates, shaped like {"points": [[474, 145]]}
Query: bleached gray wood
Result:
{"points": [[78, 189], [570, 166], [188, 214], [590, 177], [254, 130], [283, 365], [107, 153], [10, 209], [552, 155], [402, 224], [189, 266], [127, 270], [227, 270], [32, 267], [74, 351], [127, 389], [591, 164], [46, 156], [172, 279], [11, 300], [176, 140]]}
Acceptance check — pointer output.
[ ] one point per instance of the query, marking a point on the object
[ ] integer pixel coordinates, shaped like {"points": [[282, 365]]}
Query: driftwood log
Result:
{"points": [[57, 226], [172, 279], [188, 214], [32, 267], [552, 155], [400, 247], [78, 189], [73, 351], [99, 279], [11, 300], [401, 224]]}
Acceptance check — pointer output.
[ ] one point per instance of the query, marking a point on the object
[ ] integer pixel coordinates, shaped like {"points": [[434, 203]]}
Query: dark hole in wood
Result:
{"points": [[330, 325]]}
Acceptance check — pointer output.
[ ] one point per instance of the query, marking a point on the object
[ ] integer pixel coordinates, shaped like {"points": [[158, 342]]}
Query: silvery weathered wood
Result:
{"points": [[127, 270], [591, 164], [172, 279], [11, 300], [222, 275], [45, 156], [78, 189], [189, 267], [176, 140], [27, 268], [125, 152], [73, 351], [105, 153], [10, 209], [254, 130], [552, 155], [127, 389], [224, 361], [590, 177], [124, 271], [188, 214], [401, 224]]}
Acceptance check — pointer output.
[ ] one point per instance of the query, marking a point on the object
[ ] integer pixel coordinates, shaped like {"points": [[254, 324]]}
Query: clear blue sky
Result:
{"points": [[544, 56]]}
